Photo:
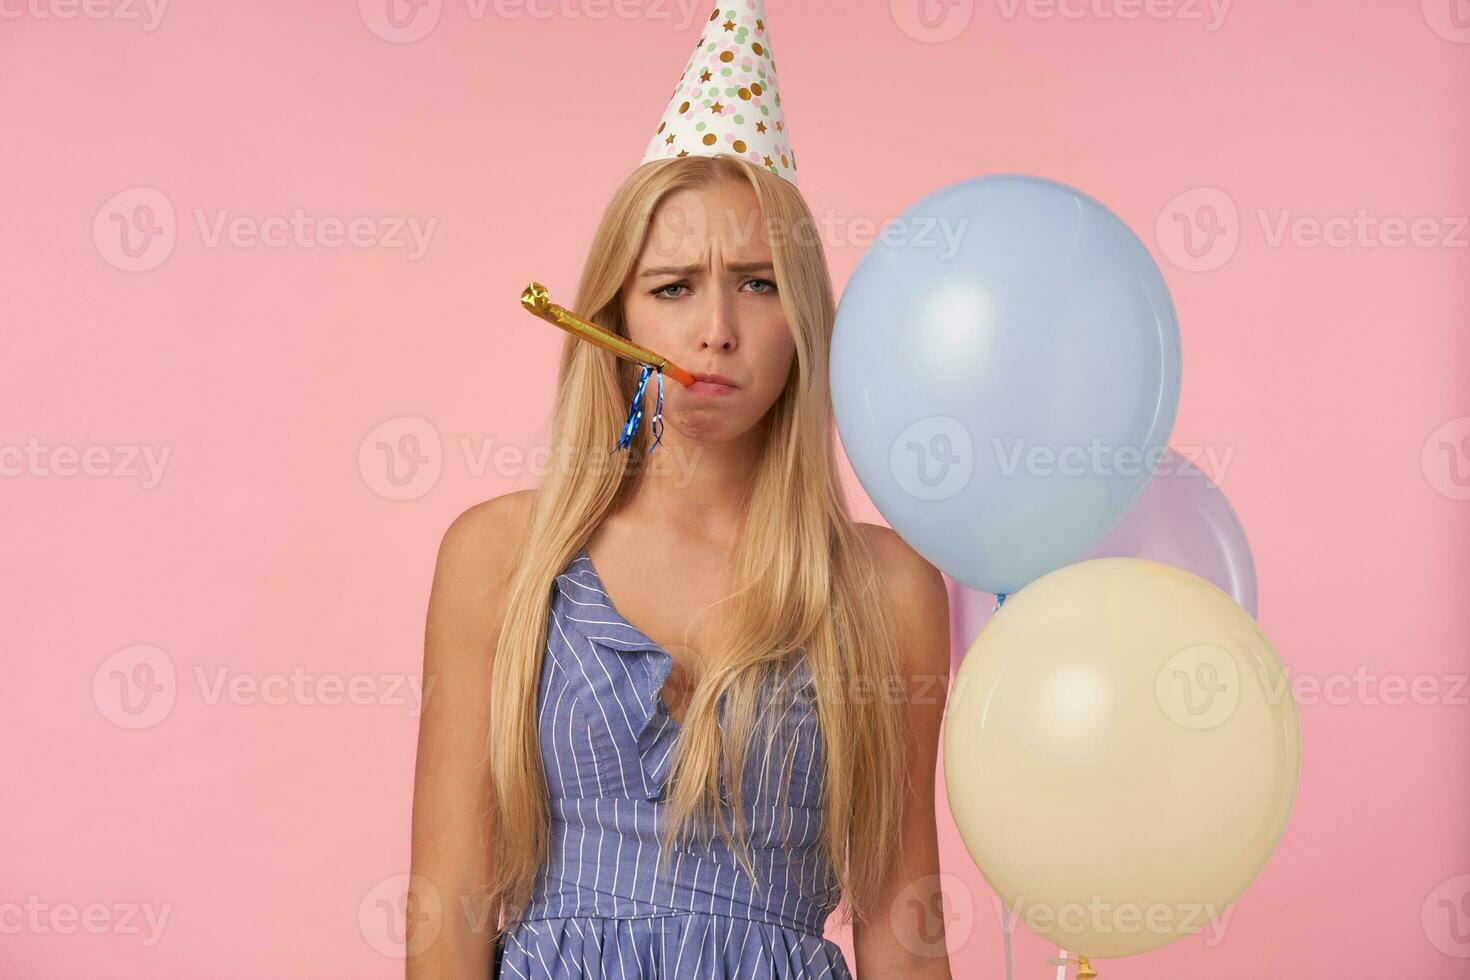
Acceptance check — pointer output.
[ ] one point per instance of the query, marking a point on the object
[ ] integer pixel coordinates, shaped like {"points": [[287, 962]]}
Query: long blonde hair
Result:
{"points": [[804, 576]]}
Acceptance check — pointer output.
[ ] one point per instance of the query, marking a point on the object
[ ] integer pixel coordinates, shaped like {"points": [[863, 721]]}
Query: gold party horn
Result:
{"points": [[534, 299]]}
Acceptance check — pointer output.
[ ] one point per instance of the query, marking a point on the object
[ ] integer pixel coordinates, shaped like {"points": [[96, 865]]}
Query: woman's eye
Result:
{"points": [[662, 292]]}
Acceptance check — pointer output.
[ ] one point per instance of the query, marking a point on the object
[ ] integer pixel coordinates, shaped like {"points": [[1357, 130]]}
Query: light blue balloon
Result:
{"points": [[1005, 373]]}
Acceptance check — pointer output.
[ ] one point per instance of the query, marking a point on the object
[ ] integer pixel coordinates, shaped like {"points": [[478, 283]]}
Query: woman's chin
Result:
{"points": [[709, 423]]}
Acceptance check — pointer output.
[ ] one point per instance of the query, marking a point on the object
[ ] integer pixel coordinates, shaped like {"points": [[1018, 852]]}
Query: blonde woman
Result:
{"points": [[684, 706], [641, 626]]}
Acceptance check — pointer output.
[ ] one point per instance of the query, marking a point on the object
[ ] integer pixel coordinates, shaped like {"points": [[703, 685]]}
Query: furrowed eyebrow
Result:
{"points": [[689, 270]]}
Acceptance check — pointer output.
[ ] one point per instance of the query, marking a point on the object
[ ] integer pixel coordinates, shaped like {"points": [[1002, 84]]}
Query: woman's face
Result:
{"points": [[703, 294]]}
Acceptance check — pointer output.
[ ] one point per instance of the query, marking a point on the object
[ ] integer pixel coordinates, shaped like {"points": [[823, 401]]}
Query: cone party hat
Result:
{"points": [[727, 100]]}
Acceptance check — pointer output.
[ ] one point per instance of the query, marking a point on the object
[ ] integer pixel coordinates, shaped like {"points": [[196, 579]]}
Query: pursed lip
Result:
{"points": [[712, 378]]}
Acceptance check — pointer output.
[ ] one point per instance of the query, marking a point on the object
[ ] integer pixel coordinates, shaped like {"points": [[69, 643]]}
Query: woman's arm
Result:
{"points": [[448, 932], [905, 937]]}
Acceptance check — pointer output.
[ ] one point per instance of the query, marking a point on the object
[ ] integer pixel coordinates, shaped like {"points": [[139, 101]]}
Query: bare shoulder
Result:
{"points": [[483, 539], [919, 596], [909, 576], [475, 561]]}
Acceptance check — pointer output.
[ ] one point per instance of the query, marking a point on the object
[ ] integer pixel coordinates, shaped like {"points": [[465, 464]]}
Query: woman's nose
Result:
{"points": [[719, 326]]}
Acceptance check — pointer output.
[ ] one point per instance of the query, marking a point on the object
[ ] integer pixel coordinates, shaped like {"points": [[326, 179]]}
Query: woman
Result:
{"points": [[642, 627]]}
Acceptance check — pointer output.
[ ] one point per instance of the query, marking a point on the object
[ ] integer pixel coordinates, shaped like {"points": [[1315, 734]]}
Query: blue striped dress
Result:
{"points": [[599, 909]]}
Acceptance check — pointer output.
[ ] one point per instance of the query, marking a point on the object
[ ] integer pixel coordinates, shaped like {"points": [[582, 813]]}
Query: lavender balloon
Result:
{"points": [[969, 611], [1183, 519], [1180, 519]]}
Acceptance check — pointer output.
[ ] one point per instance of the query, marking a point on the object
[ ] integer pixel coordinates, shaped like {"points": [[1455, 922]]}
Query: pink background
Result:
{"points": [[271, 824]]}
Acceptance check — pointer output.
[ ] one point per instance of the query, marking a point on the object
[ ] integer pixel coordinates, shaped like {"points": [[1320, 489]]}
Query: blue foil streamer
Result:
{"points": [[635, 412]]}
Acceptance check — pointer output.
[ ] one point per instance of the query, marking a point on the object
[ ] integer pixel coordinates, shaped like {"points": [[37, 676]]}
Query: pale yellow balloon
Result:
{"points": [[1121, 750]]}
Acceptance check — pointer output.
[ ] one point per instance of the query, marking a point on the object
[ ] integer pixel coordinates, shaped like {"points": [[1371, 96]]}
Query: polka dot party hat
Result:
{"points": [[727, 100]]}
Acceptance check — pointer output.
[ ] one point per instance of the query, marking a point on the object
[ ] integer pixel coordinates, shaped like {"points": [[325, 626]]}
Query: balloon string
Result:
{"points": [[1005, 934], [635, 412]]}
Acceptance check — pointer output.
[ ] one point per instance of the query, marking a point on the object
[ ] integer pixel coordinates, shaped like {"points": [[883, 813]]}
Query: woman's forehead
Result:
{"points": [[689, 225]]}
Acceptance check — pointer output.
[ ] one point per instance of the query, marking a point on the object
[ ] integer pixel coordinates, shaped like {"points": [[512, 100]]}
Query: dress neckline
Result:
{"points": [[642, 637], [643, 640]]}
